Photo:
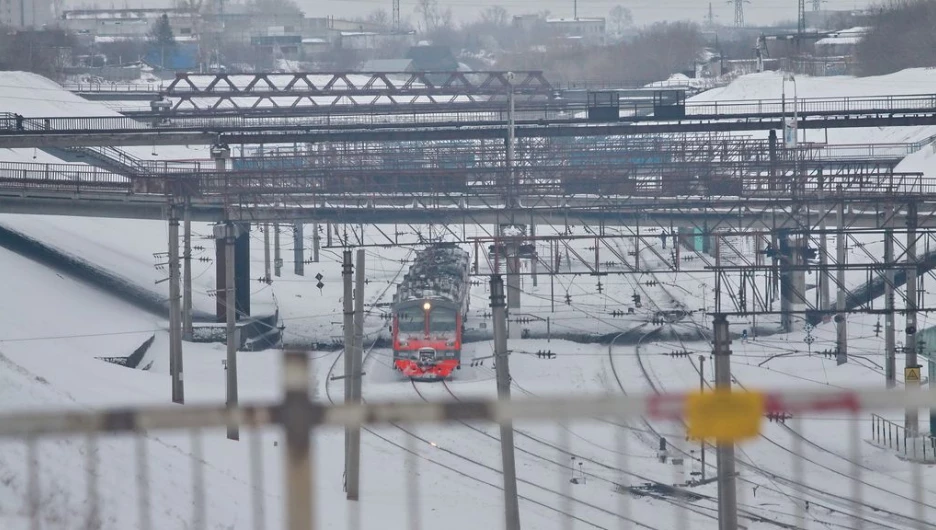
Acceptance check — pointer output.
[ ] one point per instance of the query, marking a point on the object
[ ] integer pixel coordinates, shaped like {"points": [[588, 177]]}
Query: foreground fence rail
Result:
{"points": [[605, 492]]}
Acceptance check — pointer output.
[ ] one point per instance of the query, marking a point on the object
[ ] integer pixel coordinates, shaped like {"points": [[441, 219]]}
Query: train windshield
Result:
{"points": [[442, 319], [411, 319]]}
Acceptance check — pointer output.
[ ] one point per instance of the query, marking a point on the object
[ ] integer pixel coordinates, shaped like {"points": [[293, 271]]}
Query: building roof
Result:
{"points": [[580, 19]]}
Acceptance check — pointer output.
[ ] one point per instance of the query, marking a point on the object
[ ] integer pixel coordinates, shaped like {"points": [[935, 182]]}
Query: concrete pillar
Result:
{"points": [[841, 319], [792, 280], [241, 272], [316, 242], [187, 331], [911, 423], [266, 253], [535, 258], [298, 250], [890, 346], [277, 257]]}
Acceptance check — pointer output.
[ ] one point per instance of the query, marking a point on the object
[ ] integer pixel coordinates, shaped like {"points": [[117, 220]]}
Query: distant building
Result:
{"points": [[24, 14], [388, 65], [127, 23], [432, 59], [591, 30], [840, 43]]}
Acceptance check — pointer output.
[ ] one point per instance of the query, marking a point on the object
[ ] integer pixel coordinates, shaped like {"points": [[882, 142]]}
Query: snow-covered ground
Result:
{"points": [[54, 329]]}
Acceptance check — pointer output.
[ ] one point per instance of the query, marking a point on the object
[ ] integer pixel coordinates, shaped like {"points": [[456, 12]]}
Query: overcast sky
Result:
{"points": [[644, 11]]}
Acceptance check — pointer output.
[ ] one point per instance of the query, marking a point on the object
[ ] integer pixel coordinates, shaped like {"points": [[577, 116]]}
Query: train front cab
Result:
{"points": [[427, 339]]}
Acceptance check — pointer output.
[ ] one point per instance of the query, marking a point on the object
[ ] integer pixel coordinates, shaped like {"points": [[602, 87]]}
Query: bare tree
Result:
{"points": [[434, 17], [900, 37], [274, 7], [379, 17], [620, 18], [495, 16]]}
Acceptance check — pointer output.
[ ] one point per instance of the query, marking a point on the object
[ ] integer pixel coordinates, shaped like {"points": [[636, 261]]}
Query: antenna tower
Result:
{"points": [[710, 18]]}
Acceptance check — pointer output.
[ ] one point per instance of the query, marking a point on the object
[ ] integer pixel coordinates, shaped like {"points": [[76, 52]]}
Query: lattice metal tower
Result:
{"points": [[739, 11], [710, 18], [817, 4], [801, 17], [396, 15]]}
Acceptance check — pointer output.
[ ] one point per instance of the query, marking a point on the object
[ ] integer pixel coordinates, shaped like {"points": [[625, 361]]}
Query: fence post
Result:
{"points": [[295, 418]]}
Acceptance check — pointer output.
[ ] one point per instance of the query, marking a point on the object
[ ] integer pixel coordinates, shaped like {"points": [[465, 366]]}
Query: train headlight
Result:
{"points": [[450, 343], [427, 306]]}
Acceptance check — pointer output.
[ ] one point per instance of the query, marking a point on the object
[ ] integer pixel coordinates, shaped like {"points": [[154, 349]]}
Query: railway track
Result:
{"points": [[842, 503]]}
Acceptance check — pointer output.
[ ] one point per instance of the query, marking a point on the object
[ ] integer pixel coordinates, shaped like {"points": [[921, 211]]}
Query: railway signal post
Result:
{"points": [[501, 355]]}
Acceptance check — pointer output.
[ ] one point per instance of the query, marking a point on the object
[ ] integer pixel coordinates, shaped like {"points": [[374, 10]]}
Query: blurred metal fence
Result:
{"points": [[845, 491]]}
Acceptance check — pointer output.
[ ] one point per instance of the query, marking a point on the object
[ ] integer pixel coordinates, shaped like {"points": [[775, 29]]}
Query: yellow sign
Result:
{"points": [[724, 416], [912, 374]]}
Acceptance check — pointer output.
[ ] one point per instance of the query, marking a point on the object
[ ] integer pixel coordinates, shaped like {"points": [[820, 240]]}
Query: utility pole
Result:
{"points": [[841, 321], [228, 232], [890, 353], [298, 250], [187, 332], [825, 274], [702, 390], [277, 258], [911, 423], [316, 242], [724, 451], [346, 271], [266, 253], [175, 309], [354, 458], [502, 368]]}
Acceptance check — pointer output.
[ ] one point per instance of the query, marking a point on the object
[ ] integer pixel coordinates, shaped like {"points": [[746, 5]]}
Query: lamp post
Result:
{"points": [[788, 76]]}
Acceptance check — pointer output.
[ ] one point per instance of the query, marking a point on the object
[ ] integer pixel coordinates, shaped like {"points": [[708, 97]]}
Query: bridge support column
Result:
{"points": [[890, 346], [792, 280], [241, 271], [298, 250], [841, 321]]}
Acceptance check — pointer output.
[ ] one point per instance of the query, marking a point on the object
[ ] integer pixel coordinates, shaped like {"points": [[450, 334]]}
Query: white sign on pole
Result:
{"points": [[789, 133]]}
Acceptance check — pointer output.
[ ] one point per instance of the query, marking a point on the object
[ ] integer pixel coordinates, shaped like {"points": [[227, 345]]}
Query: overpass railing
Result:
{"points": [[61, 177], [636, 461], [636, 110]]}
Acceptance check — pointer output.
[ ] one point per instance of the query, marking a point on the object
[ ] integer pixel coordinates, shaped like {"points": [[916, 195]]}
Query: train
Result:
{"points": [[428, 313]]}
